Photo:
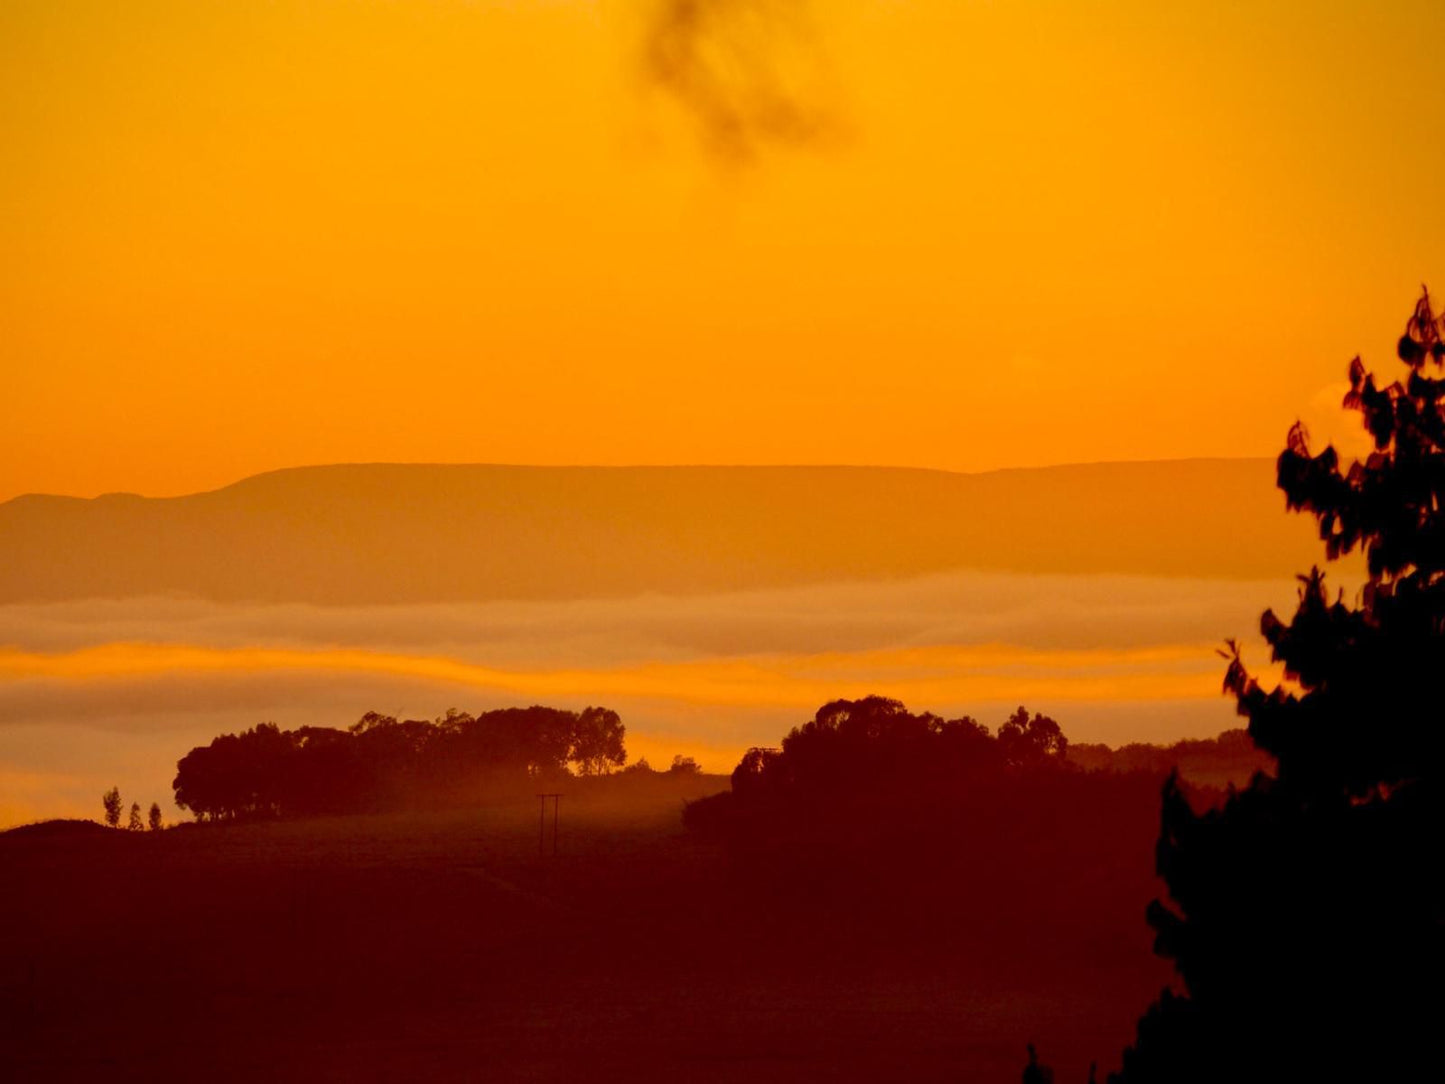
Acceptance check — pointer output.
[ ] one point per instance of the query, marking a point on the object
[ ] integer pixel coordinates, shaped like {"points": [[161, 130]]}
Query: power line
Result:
{"points": [[542, 822]]}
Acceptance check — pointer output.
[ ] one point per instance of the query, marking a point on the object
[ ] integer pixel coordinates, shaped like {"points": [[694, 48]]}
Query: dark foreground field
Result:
{"points": [[442, 947]]}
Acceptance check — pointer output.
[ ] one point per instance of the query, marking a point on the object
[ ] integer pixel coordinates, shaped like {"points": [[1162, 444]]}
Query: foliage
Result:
{"points": [[111, 800], [1305, 917], [154, 819], [854, 746], [1028, 741], [597, 742], [382, 763], [856, 759], [134, 823]]}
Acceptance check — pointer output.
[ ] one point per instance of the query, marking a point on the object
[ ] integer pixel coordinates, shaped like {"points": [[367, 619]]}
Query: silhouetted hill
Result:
{"points": [[442, 947], [58, 829], [414, 533]]}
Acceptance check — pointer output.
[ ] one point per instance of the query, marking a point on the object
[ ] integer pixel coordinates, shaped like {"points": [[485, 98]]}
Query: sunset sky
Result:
{"points": [[247, 236], [951, 234]]}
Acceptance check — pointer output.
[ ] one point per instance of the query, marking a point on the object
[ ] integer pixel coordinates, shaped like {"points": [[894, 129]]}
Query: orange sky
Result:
{"points": [[244, 236], [946, 674]]}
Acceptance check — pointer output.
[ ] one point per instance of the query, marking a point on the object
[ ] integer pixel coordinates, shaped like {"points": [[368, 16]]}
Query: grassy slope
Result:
{"points": [[441, 947]]}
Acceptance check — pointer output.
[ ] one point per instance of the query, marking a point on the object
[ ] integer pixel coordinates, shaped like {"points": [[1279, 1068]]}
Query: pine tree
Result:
{"points": [[111, 801], [1306, 918], [135, 824], [154, 819]]}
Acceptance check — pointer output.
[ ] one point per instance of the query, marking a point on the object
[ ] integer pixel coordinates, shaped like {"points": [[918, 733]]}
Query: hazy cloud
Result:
{"points": [[749, 73], [1040, 611]]}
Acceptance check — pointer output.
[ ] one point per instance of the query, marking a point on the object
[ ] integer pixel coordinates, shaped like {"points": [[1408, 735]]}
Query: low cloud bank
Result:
{"points": [[107, 693], [965, 608]]}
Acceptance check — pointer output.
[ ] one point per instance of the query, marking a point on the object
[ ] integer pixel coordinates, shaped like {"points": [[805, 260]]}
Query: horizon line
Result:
{"points": [[901, 468]]}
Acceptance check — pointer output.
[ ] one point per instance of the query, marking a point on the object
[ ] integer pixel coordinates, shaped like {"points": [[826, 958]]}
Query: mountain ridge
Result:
{"points": [[375, 533], [319, 468]]}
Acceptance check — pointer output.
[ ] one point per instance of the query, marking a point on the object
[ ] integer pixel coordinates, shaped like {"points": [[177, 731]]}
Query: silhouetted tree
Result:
{"points": [[155, 817], [597, 744], [682, 765], [1031, 741], [111, 800], [757, 771], [1305, 916], [135, 824], [237, 775], [871, 770], [1034, 1073], [381, 762]]}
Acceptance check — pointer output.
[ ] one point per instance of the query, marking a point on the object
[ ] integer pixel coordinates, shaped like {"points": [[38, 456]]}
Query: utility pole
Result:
{"points": [[542, 821]]}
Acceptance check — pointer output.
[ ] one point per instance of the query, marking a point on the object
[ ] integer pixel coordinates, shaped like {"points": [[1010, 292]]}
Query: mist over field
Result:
{"points": [[116, 690]]}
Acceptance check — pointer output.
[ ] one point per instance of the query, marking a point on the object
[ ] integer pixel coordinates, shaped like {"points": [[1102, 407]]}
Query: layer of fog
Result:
{"points": [[1040, 611], [64, 740]]}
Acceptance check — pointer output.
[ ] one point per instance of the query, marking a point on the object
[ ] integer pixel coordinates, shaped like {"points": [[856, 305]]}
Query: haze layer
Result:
{"points": [[714, 607]]}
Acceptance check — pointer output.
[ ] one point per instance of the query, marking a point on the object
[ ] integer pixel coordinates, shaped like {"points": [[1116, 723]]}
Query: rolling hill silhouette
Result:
{"points": [[381, 533]]}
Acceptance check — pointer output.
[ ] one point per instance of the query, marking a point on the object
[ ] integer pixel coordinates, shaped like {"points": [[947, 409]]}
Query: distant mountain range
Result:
{"points": [[378, 533]]}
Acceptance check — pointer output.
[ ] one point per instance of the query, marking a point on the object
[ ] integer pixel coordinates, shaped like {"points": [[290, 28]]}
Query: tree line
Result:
{"points": [[1230, 758], [874, 747], [853, 747], [382, 763], [112, 804]]}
